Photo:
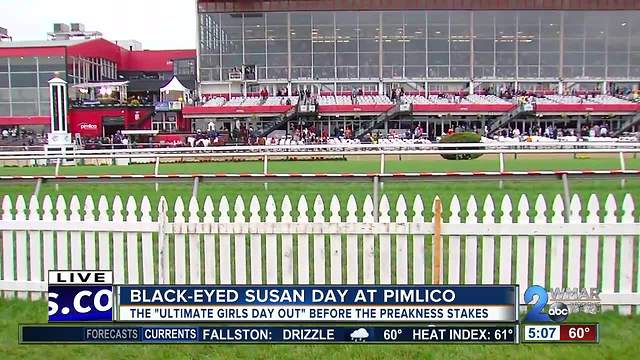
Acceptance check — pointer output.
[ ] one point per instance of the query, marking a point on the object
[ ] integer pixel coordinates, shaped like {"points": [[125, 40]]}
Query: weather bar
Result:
{"points": [[40, 334]]}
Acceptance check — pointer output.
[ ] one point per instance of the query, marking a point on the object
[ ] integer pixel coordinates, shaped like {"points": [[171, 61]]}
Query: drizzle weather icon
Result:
{"points": [[360, 335]]}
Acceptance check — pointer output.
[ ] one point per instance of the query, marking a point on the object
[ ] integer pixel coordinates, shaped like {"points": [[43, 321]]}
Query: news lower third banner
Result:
{"points": [[101, 334], [334, 303]]}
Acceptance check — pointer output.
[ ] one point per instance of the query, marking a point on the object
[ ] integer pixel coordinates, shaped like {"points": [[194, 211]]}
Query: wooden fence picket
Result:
{"points": [[471, 245], [255, 243], [22, 257], [352, 243], [454, 243], [418, 243], [64, 235], [8, 272], [488, 244], [385, 243], [335, 243], [240, 244], [35, 263], [506, 243], [194, 244]]}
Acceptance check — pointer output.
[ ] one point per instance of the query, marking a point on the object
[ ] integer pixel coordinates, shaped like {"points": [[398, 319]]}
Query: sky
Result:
{"points": [[157, 24]]}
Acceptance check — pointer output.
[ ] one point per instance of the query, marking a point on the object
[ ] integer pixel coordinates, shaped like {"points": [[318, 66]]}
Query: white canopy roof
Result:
{"points": [[174, 85]]}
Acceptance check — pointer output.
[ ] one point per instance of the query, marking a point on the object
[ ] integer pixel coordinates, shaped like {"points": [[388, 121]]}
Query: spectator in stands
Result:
{"points": [[603, 131], [354, 96], [307, 94]]}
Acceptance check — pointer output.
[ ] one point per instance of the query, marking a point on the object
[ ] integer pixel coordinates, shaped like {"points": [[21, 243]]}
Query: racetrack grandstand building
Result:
{"points": [[450, 61], [110, 88]]}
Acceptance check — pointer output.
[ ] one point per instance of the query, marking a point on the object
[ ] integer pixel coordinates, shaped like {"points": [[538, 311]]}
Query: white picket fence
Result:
{"points": [[504, 246]]}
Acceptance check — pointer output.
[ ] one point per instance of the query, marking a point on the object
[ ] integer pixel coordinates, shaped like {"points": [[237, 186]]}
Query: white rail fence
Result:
{"points": [[503, 241]]}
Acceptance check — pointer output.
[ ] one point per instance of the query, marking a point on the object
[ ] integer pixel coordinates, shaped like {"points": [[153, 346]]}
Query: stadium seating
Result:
{"points": [[216, 101], [484, 99], [373, 100], [280, 100]]}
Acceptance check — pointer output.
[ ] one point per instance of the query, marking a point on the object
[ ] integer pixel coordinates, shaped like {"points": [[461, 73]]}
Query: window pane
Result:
{"points": [[483, 58], [301, 32], [369, 17], [300, 46], [347, 59], [369, 45], [618, 59], [346, 45], [4, 95], [4, 80], [392, 58], [550, 58], [277, 60], [480, 45], [277, 32], [301, 59], [320, 59], [460, 71], [460, 59], [438, 45], [277, 19], [255, 59], [438, 59], [23, 64], [24, 95], [415, 72], [617, 71], [392, 45], [51, 63], [277, 46], [4, 64], [415, 59], [24, 80], [20, 109], [594, 71], [44, 109], [5, 108]]}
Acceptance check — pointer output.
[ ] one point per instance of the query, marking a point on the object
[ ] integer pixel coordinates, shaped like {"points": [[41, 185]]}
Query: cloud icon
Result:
{"points": [[360, 334]]}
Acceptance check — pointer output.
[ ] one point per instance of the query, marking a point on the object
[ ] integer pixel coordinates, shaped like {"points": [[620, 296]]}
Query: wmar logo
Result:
{"points": [[558, 311]]}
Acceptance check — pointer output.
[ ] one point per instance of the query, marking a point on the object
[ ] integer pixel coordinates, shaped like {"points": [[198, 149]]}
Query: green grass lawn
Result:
{"points": [[445, 188], [619, 340]]}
